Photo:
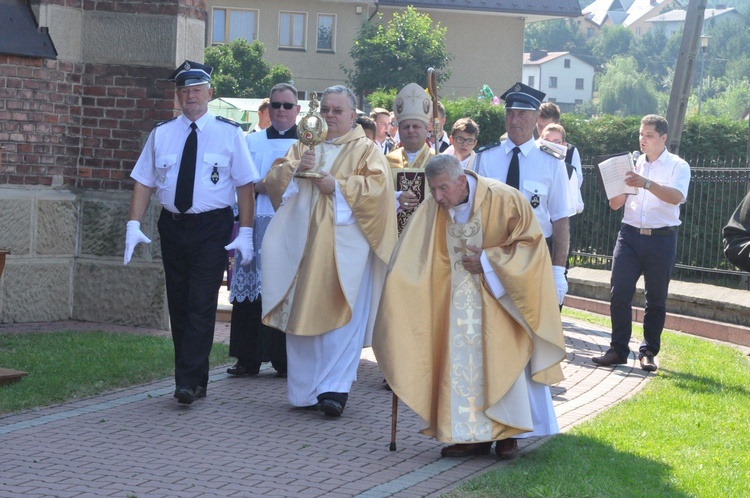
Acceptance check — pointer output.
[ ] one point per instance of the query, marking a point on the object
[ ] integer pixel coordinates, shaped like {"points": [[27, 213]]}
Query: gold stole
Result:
{"points": [[467, 404]]}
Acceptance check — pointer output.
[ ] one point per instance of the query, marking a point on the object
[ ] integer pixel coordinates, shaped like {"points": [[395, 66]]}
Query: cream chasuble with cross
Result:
{"points": [[451, 350]]}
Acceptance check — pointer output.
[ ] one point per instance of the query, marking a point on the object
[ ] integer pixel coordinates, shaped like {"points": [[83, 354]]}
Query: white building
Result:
{"points": [[566, 79], [673, 21]]}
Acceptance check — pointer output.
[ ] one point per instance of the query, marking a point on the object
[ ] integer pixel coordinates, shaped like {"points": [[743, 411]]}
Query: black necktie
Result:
{"points": [[183, 196], [512, 179]]}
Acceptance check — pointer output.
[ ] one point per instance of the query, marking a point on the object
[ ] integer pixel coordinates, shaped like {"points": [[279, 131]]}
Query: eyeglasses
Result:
{"points": [[467, 141], [327, 110], [393, 123], [287, 105]]}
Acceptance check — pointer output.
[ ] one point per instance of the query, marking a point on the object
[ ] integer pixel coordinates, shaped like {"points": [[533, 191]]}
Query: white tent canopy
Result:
{"points": [[245, 111]]}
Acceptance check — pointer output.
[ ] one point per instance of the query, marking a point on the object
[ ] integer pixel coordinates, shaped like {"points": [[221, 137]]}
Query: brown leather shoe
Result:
{"points": [[506, 449], [647, 361], [466, 449], [611, 357]]}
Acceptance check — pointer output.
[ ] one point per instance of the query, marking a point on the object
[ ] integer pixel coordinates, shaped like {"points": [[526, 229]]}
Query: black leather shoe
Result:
{"points": [[467, 449], [647, 361], [241, 368], [331, 407], [506, 449], [185, 395], [200, 392], [611, 357]]}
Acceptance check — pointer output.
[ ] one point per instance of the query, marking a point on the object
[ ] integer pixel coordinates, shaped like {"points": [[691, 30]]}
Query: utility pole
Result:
{"points": [[678, 98]]}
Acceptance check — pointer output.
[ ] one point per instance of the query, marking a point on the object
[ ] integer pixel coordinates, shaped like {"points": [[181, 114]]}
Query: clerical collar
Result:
{"points": [[461, 212], [411, 156], [272, 133]]}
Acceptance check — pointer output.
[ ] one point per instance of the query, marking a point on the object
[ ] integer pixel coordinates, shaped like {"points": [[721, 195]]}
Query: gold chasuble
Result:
{"points": [[313, 267], [448, 348]]}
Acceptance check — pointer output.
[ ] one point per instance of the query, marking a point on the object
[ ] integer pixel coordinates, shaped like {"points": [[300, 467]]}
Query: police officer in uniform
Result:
{"points": [[542, 178], [194, 162]]}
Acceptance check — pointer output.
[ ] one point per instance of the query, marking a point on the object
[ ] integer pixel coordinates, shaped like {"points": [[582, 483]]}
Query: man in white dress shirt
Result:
{"points": [[195, 162], [646, 244]]}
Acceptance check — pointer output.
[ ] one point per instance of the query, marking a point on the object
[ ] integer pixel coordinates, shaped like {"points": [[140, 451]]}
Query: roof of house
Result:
{"points": [[542, 58], [624, 12], [21, 33], [679, 15], [544, 8]]}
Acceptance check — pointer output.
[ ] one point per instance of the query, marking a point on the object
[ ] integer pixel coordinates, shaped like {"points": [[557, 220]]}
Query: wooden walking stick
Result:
{"points": [[394, 421], [432, 91]]}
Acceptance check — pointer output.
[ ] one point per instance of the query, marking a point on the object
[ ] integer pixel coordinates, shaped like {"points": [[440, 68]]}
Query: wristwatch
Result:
{"points": [[647, 185]]}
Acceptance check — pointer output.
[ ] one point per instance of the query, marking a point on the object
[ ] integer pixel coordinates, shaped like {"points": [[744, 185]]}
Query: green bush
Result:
{"points": [[382, 98], [490, 118]]}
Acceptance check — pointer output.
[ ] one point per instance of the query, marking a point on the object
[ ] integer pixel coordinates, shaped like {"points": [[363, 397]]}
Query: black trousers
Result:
{"points": [[192, 248], [252, 342]]}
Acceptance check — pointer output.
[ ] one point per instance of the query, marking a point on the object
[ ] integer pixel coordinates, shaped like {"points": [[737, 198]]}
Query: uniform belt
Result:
{"points": [[651, 231], [198, 216]]}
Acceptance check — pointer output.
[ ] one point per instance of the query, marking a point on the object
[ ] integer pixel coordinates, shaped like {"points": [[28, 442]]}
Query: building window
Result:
{"points": [[553, 81], [579, 101], [567, 63], [231, 24], [579, 83], [589, 32], [292, 29], [638, 31], [326, 32], [551, 99], [531, 81]]}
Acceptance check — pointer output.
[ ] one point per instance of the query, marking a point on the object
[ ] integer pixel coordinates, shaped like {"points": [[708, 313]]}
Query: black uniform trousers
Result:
{"points": [[252, 342], [192, 248]]}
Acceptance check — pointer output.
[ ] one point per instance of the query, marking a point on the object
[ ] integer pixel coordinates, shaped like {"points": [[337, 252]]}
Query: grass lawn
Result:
{"points": [[686, 434], [68, 365]]}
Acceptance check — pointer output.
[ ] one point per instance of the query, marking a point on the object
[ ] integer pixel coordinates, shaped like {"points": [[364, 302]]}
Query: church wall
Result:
{"points": [[71, 130]]}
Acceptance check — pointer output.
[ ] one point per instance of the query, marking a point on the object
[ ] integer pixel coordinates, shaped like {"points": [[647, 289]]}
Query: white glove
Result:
{"points": [[561, 283], [244, 244], [133, 237]]}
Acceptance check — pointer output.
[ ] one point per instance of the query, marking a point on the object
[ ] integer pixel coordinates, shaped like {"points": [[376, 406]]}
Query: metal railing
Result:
{"points": [[714, 194]]}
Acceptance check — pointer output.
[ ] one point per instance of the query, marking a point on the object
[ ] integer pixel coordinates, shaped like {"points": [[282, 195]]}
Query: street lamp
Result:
{"points": [[704, 44]]}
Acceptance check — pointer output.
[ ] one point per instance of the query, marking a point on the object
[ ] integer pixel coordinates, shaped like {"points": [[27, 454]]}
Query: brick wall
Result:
{"points": [[40, 114], [78, 124], [119, 105]]}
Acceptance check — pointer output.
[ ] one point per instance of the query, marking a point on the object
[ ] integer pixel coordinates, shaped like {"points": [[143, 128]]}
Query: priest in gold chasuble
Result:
{"points": [[468, 333], [325, 254]]}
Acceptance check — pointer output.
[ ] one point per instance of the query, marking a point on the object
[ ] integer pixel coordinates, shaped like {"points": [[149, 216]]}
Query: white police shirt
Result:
{"points": [[543, 180], [223, 162]]}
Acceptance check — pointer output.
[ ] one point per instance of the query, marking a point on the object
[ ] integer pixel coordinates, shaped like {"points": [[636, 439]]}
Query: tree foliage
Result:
{"points": [[558, 35], [624, 90], [613, 41], [399, 53], [241, 72]]}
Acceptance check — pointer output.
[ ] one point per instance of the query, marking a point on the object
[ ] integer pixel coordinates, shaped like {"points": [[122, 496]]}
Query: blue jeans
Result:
{"points": [[652, 256]]}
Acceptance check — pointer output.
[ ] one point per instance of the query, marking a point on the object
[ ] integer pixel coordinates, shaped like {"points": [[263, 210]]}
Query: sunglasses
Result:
{"points": [[287, 105]]}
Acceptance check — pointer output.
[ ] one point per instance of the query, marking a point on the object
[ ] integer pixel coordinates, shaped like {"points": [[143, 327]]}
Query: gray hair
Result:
{"points": [[444, 163], [280, 87], [341, 89]]}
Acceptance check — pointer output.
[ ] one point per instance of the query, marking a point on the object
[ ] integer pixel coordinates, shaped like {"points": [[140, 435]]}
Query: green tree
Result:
{"points": [[391, 56], [557, 35], [614, 40], [241, 72], [626, 91]]}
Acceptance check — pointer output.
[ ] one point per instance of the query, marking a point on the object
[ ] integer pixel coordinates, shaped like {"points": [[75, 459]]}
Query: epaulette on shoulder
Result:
{"points": [[487, 147], [164, 122], [227, 120]]}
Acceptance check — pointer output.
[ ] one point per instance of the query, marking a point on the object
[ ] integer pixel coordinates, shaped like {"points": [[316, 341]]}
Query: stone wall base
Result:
{"points": [[65, 260]]}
